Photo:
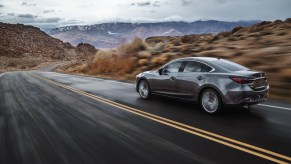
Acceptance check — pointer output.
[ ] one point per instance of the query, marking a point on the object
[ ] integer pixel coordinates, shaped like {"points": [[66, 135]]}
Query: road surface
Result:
{"points": [[48, 117]]}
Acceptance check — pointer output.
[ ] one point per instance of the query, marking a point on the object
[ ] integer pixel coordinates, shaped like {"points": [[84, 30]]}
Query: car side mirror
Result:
{"points": [[163, 71], [160, 71]]}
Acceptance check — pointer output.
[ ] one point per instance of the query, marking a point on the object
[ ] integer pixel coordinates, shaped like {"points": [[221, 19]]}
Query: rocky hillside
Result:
{"points": [[111, 35], [26, 47], [265, 46]]}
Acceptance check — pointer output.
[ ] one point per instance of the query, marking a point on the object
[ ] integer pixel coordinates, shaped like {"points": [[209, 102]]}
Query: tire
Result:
{"points": [[210, 101], [144, 89]]}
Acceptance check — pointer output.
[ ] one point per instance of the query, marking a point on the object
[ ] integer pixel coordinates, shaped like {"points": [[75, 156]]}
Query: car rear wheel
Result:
{"points": [[144, 89], [210, 101]]}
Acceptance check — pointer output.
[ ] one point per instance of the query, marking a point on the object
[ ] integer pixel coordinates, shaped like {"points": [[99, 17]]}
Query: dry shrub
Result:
{"points": [[231, 38], [286, 72], [186, 39], [134, 47], [177, 42], [266, 33], [162, 59], [144, 54], [102, 63], [120, 62], [159, 46], [143, 62], [234, 30], [125, 65]]}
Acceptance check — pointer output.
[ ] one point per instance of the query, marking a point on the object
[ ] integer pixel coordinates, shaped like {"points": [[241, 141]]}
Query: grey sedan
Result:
{"points": [[212, 82]]}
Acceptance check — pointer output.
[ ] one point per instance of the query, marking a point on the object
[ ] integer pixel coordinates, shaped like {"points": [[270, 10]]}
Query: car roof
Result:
{"points": [[204, 59]]}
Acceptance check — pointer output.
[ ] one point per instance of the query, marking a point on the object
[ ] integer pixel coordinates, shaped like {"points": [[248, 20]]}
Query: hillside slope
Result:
{"points": [[265, 46], [25, 47]]}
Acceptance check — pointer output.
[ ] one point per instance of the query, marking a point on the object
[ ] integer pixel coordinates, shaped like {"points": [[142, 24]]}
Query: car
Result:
{"points": [[212, 82]]}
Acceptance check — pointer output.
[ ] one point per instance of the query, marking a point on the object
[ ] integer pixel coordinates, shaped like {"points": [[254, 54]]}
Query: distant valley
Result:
{"points": [[111, 35]]}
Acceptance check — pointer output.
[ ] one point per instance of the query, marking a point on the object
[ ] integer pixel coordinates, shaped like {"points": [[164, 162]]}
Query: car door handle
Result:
{"points": [[200, 78], [172, 78]]}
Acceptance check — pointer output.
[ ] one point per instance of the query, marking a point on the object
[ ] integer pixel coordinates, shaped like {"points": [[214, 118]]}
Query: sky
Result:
{"points": [[58, 13]]}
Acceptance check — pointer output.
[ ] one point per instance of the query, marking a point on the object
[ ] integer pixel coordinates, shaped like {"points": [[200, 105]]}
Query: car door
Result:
{"points": [[191, 78], [165, 82]]}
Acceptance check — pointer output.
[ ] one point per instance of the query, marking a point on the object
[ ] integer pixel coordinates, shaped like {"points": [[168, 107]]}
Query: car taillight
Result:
{"points": [[241, 80]]}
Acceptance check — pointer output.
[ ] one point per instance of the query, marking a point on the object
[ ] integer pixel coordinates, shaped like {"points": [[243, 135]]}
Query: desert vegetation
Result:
{"points": [[265, 46]]}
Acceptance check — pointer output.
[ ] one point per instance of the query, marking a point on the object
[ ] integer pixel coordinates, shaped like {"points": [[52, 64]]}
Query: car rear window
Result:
{"points": [[230, 66]]}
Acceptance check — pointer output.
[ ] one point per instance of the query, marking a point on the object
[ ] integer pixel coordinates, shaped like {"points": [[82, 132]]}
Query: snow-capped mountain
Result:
{"points": [[110, 35]]}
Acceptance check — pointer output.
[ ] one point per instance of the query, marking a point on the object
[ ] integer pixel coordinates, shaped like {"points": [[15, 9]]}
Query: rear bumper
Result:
{"points": [[246, 97]]}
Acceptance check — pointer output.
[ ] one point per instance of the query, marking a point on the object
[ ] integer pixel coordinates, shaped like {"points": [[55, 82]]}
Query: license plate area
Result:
{"points": [[260, 83]]}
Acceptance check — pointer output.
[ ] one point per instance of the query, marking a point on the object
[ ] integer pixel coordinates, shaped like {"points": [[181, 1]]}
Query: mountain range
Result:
{"points": [[111, 35]]}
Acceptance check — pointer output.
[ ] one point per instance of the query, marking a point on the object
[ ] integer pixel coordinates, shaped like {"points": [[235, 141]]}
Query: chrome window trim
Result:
{"points": [[185, 60], [165, 65]]}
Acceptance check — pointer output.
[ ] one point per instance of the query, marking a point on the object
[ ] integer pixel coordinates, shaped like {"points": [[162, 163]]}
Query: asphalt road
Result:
{"points": [[47, 117]]}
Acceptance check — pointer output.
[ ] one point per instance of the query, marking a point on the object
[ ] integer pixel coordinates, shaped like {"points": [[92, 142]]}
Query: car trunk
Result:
{"points": [[257, 80]]}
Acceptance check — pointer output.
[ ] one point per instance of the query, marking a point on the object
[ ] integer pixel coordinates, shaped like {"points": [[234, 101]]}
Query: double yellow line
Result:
{"points": [[248, 148]]}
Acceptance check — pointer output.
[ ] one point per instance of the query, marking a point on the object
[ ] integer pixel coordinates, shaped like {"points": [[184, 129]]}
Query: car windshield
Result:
{"points": [[230, 66]]}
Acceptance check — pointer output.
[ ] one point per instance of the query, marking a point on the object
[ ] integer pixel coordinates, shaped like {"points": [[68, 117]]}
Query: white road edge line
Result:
{"points": [[2, 74], [119, 82], [274, 106]]}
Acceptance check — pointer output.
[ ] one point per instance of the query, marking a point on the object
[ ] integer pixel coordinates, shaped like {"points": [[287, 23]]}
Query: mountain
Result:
{"points": [[111, 35], [26, 47]]}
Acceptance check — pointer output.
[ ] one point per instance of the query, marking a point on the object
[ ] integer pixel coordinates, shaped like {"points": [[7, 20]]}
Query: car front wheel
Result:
{"points": [[144, 89], [210, 101]]}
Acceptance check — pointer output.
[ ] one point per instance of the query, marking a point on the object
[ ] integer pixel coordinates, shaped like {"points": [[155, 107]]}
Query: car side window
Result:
{"points": [[192, 66], [205, 68], [173, 67]]}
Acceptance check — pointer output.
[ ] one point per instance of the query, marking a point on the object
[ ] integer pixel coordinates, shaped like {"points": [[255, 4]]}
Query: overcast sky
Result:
{"points": [[52, 13]]}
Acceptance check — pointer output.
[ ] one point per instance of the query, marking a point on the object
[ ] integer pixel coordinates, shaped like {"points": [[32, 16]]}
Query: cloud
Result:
{"points": [[49, 20], [27, 16], [157, 4], [144, 10], [186, 2], [223, 1], [37, 20], [143, 4], [149, 11], [48, 11], [26, 4], [147, 4]]}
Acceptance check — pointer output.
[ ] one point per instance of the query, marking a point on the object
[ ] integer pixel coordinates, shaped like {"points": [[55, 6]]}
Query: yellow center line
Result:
{"points": [[181, 126]]}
